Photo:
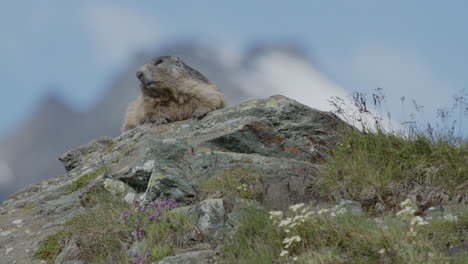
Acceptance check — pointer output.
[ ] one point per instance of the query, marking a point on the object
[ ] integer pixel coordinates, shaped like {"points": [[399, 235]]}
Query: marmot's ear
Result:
{"points": [[175, 59]]}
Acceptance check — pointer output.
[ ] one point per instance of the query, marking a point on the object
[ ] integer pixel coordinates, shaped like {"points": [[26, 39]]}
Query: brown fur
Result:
{"points": [[171, 91]]}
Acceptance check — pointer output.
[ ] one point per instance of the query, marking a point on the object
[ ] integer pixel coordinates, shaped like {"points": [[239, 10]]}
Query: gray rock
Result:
{"points": [[276, 137], [69, 254], [197, 257], [74, 158], [210, 217]]}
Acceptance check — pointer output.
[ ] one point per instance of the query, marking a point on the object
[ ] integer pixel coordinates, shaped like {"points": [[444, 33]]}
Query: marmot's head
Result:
{"points": [[163, 75]]}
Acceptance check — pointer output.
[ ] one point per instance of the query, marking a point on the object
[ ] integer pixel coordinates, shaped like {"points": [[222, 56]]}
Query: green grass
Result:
{"points": [[238, 181], [346, 238], [51, 247], [384, 167], [101, 231], [84, 180], [164, 236], [254, 241], [104, 235]]}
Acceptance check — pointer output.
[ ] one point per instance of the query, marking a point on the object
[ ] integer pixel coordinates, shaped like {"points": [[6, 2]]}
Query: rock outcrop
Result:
{"points": [[278, 143]]}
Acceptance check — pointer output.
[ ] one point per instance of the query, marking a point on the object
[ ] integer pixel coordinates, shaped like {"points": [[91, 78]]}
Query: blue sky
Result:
{"points": [[73, 48]]}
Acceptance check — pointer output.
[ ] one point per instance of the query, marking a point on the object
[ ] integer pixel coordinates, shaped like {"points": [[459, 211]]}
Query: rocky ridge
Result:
{"points": [[279, 141]]}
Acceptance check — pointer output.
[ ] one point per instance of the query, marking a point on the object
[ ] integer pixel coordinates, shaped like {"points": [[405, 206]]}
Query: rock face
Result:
{"points": [[277, 139]]}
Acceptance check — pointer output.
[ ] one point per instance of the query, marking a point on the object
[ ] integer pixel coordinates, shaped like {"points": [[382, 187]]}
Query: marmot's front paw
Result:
{"points": [[159, 121], [201, 112]]}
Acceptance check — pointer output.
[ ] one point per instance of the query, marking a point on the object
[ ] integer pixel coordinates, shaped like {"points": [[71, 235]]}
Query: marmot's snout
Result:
{"points": [[146, 78], [140, 75]]}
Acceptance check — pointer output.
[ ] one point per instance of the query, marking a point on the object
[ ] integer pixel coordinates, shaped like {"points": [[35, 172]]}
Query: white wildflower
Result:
{"points": [[406, 213], [406, 203], [345, 202], [451, 217], [289, 240], [296, 207], [322, 211], [285, 222], [417, 220], [276, 213], [284, 253], [382, 251], [299, 219], [308, 214], [129, 197], [295, 259], [341, 211], [276, 216]]}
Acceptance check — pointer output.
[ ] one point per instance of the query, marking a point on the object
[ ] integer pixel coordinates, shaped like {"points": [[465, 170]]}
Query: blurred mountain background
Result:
{"points": [[68, 68]]}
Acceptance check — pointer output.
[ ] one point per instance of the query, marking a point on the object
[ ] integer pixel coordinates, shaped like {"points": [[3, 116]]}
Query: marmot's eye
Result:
{"points": [[158, 62]]}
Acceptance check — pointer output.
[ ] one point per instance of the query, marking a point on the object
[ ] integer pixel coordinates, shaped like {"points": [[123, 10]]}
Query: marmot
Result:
{"points": [[171, 91]]}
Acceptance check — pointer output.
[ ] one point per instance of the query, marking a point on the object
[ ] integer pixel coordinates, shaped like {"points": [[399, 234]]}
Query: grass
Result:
{"points": [[254, 239], [385, 167], [371, 166], [106, 231], [163, 237], [51, 247], [238, 181], [346, 238], [108, 228], [100, 232], [84, 180]]}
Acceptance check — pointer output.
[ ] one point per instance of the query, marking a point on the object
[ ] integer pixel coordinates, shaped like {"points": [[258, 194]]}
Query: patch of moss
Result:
{"points": [[29, 207], [51, 247], [84, 180], [238, 181]]}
